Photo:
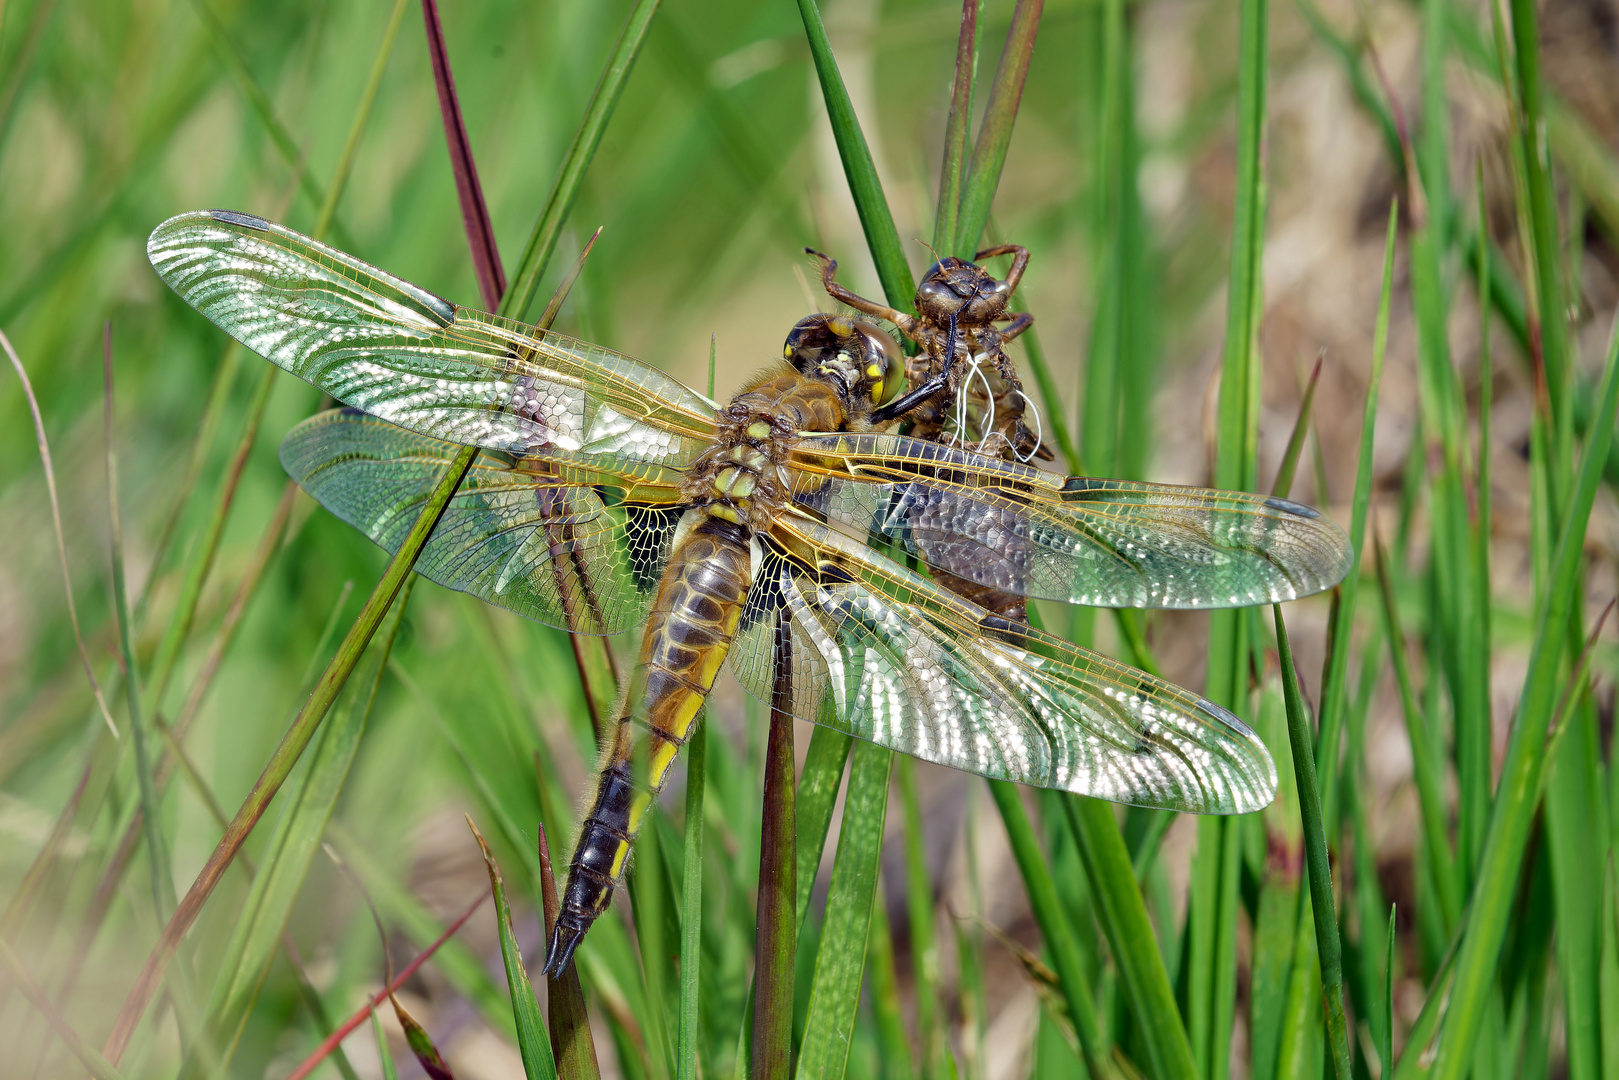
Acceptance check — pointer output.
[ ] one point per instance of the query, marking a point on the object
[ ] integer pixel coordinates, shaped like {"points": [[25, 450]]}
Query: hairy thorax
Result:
{"points": [[742, 477]]}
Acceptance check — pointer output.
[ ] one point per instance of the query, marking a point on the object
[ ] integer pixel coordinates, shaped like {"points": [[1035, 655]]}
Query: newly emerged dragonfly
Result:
{"points": [[608, 497]]}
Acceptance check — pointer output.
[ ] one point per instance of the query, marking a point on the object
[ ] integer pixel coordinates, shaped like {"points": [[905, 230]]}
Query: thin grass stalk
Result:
{"points": [[207, 426], [474, 213], [1573, 811], [1529, 105], [157, 851], [995, 130], [1328, 947], [691, 908], [957, 126], [646, 885], [97, 1065], [1054, 927], [351, 144], [1212, 921], [1034, 356], [201, 564], [1335, 676], [1495, 886], [537, 253], [1106, 358], [859, 169], [56, 525]]}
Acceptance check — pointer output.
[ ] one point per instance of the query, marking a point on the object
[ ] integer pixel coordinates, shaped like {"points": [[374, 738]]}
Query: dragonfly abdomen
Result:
{"points": [[694, 617]]}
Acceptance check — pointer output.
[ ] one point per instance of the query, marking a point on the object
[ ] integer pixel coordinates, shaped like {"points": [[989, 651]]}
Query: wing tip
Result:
{"points": [[1254, 792]]}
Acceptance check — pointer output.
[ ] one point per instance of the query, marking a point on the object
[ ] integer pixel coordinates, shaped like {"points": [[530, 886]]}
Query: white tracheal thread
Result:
{"points": [[1039, 427]]}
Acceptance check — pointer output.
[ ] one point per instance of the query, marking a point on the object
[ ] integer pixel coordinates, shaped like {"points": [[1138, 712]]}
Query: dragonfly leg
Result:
{"points": [[1020, 261], [936, 384], [829, 266]]}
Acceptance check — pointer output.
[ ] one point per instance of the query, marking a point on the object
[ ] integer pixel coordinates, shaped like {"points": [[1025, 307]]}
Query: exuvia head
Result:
{"points": [[856, 355], [957, 287]]}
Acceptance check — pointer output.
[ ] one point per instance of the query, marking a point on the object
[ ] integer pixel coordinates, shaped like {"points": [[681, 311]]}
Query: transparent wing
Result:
{"points": [[579, 552], [912, 667], [401, 353], [1107, 543]]}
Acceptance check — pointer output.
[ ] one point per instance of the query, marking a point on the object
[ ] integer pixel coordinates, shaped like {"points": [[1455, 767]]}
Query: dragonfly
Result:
{"points": [[607, 496]]}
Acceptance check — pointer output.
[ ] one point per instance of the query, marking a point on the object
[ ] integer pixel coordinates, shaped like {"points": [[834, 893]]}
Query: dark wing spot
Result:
{"points": [[440, 308], [1287, 506], [246, 221], [1226, 717]]}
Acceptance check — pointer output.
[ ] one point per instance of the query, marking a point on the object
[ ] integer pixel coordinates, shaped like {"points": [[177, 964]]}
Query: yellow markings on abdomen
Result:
{"points": [[694, 617]]}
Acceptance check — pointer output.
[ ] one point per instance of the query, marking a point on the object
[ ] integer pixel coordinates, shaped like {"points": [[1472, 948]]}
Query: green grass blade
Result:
{"points": [[384, 1055], [1499, 866], [691, 907], [1609, 982], [817, 796], [1123, 914], [957, 125], [894, 1045], [841, 961], [1328, 947], [542, 240], [919, 911], [1053, 416], [995, 130], [1425, 769], [1212, 918], [1054, 926], [1385, 1044], [532, 1040], [1301, 428], [858, 167], [1335, 677]]}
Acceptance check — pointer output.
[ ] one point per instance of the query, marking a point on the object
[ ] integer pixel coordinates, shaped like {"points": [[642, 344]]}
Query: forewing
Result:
{"points": [[914, 668], [401, 353], [518, 533], [1106, 543]]}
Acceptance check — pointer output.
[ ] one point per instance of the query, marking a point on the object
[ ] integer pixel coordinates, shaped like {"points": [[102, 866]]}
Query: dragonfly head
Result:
{"points": [[856, 356], [957, 287]]}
